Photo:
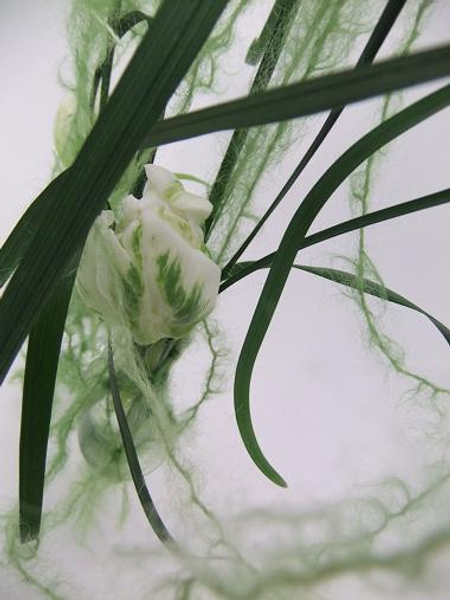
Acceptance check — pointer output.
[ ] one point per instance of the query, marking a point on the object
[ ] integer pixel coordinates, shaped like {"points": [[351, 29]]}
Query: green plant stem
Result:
{"points": [[280, 19]]}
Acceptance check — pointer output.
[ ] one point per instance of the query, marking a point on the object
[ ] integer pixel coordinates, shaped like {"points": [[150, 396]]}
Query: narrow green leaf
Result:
{"points": [[44, 345], [38, 212], [174, 38], [142, 491], [374, 289], [242, 269], [285, 255], [382, 28], [46, 336], [305, 98]]}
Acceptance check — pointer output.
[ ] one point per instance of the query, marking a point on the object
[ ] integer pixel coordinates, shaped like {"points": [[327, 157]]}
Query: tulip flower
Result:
{"points": [[149, 270]]}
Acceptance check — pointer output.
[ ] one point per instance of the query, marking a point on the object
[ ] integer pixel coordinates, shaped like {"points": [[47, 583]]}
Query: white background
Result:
{"points": [[327, 411]]}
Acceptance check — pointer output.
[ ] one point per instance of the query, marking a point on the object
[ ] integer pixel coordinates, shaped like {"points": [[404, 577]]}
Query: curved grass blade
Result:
{"points": [[43, 350], [305, 98], [374, 289], [166, 52], [120, 26], [379, 34], [41, 365], [242, 269], [145, 498], [124, 24], [285, 255], [278, 24]]}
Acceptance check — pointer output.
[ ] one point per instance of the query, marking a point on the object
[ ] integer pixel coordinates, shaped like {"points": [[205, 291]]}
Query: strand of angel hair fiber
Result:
{"points": [[312, 46], [384, 25], [363, 265]]}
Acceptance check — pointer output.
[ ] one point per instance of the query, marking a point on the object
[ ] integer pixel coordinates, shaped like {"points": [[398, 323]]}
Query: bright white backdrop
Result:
{"points": [[327, 411]]}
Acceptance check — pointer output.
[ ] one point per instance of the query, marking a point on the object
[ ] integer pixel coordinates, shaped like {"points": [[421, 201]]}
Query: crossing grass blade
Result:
{"points": [[305, 98], [171, 44], [374, 289], [41, 365], [285, 255], [381, 30], [243, 269]]}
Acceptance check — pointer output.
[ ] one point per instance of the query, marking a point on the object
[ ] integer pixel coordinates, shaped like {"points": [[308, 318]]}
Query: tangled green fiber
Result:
{"points": [[385, 538], [363, 266], [318, 40]]}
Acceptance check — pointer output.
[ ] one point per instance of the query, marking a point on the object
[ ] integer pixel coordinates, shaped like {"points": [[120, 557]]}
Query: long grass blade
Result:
{"points": [[243, 269], [16, 245], [374, 43], [174, 38], [285, 255], [374, 289], [142, 491], [44, 343], [305, 98], [41, 365]]}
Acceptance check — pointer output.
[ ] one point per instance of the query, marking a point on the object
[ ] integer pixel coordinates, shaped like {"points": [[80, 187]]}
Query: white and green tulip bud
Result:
{"points": [[150, 270]]}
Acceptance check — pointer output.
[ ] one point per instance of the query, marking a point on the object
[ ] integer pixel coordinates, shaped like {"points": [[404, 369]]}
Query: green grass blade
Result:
{"points": [[44, 344], [285, 255], [305, 98], [39, 384], [374, 43], [145, 498], [16, 245], [174, 38], [374, 289], [243, 269]]}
